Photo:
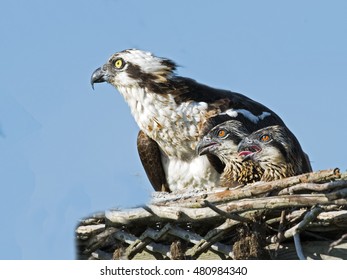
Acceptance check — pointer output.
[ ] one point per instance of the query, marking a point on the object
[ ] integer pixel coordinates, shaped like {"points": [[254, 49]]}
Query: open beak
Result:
{"points": [[247, 149]]}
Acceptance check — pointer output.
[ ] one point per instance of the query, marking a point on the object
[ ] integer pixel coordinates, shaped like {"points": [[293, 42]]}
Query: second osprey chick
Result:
{"points": [[276, 150]]}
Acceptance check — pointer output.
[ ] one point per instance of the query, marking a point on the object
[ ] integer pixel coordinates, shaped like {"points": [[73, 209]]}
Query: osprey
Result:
{"points": [[173, 113], [222, 141], [277, 151]]}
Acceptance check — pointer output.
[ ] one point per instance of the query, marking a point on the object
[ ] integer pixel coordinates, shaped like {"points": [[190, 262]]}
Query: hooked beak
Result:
{"points": [[99, 76], [206, 146]]}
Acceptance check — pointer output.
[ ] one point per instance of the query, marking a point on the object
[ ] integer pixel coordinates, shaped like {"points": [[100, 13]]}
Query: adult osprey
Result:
{"points": [[277, 152], [222, 141], [173, 113]]}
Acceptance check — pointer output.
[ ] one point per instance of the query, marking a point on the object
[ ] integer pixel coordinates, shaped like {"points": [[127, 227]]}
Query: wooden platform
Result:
{"points": [[302, 217]]}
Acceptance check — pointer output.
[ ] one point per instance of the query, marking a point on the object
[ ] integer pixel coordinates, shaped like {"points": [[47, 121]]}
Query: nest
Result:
{"points": [[301, 217]]}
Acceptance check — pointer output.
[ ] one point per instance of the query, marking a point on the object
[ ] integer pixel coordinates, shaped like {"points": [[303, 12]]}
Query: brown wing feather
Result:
{"points": [[150, 157]]}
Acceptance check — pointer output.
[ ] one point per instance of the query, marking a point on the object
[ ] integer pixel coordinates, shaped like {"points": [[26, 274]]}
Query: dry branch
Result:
{"points": [[87, 231], [195, 199], [314, 187]]}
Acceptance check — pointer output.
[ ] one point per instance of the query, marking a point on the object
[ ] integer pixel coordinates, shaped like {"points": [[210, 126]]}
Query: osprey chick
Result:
{"points": [[277, 151], [222, 141], [173, 113]]}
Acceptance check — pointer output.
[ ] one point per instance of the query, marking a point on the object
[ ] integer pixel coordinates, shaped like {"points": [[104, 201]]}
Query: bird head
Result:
{"points": [[222, 140], [272, 144], [132, 67]]}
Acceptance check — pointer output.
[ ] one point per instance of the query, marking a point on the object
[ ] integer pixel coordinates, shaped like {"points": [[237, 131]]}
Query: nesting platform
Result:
{"points": [[301, 217]]}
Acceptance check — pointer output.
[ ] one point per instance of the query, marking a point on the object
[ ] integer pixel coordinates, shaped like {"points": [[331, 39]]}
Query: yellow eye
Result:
{"points": [[221, 133], [119, 63], [265, 138]]}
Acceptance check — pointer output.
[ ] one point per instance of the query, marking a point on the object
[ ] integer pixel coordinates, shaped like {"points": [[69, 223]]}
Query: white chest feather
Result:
{"points": [[175, 128], [197, 173]]}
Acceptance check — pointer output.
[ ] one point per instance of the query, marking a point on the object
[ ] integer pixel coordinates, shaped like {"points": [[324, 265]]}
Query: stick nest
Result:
{"points": [[294, 218]]}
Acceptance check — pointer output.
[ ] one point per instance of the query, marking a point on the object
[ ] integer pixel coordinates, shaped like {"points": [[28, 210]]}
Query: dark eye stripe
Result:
{"points": [[280, 147]]}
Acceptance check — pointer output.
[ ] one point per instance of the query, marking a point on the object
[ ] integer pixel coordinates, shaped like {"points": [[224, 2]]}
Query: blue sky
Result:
{"points": [[67, 151]]}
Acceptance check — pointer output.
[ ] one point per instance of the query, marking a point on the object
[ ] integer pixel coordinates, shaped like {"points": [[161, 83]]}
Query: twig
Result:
{"points": [[145, 239], [281, 202], [314, 187], [94, 219], [235, 217], [196, 238], [281, 227], [126, 216], [218, 233], [337, 242], [131, 239], [99, 240], [84, 232], [309, 217]]}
